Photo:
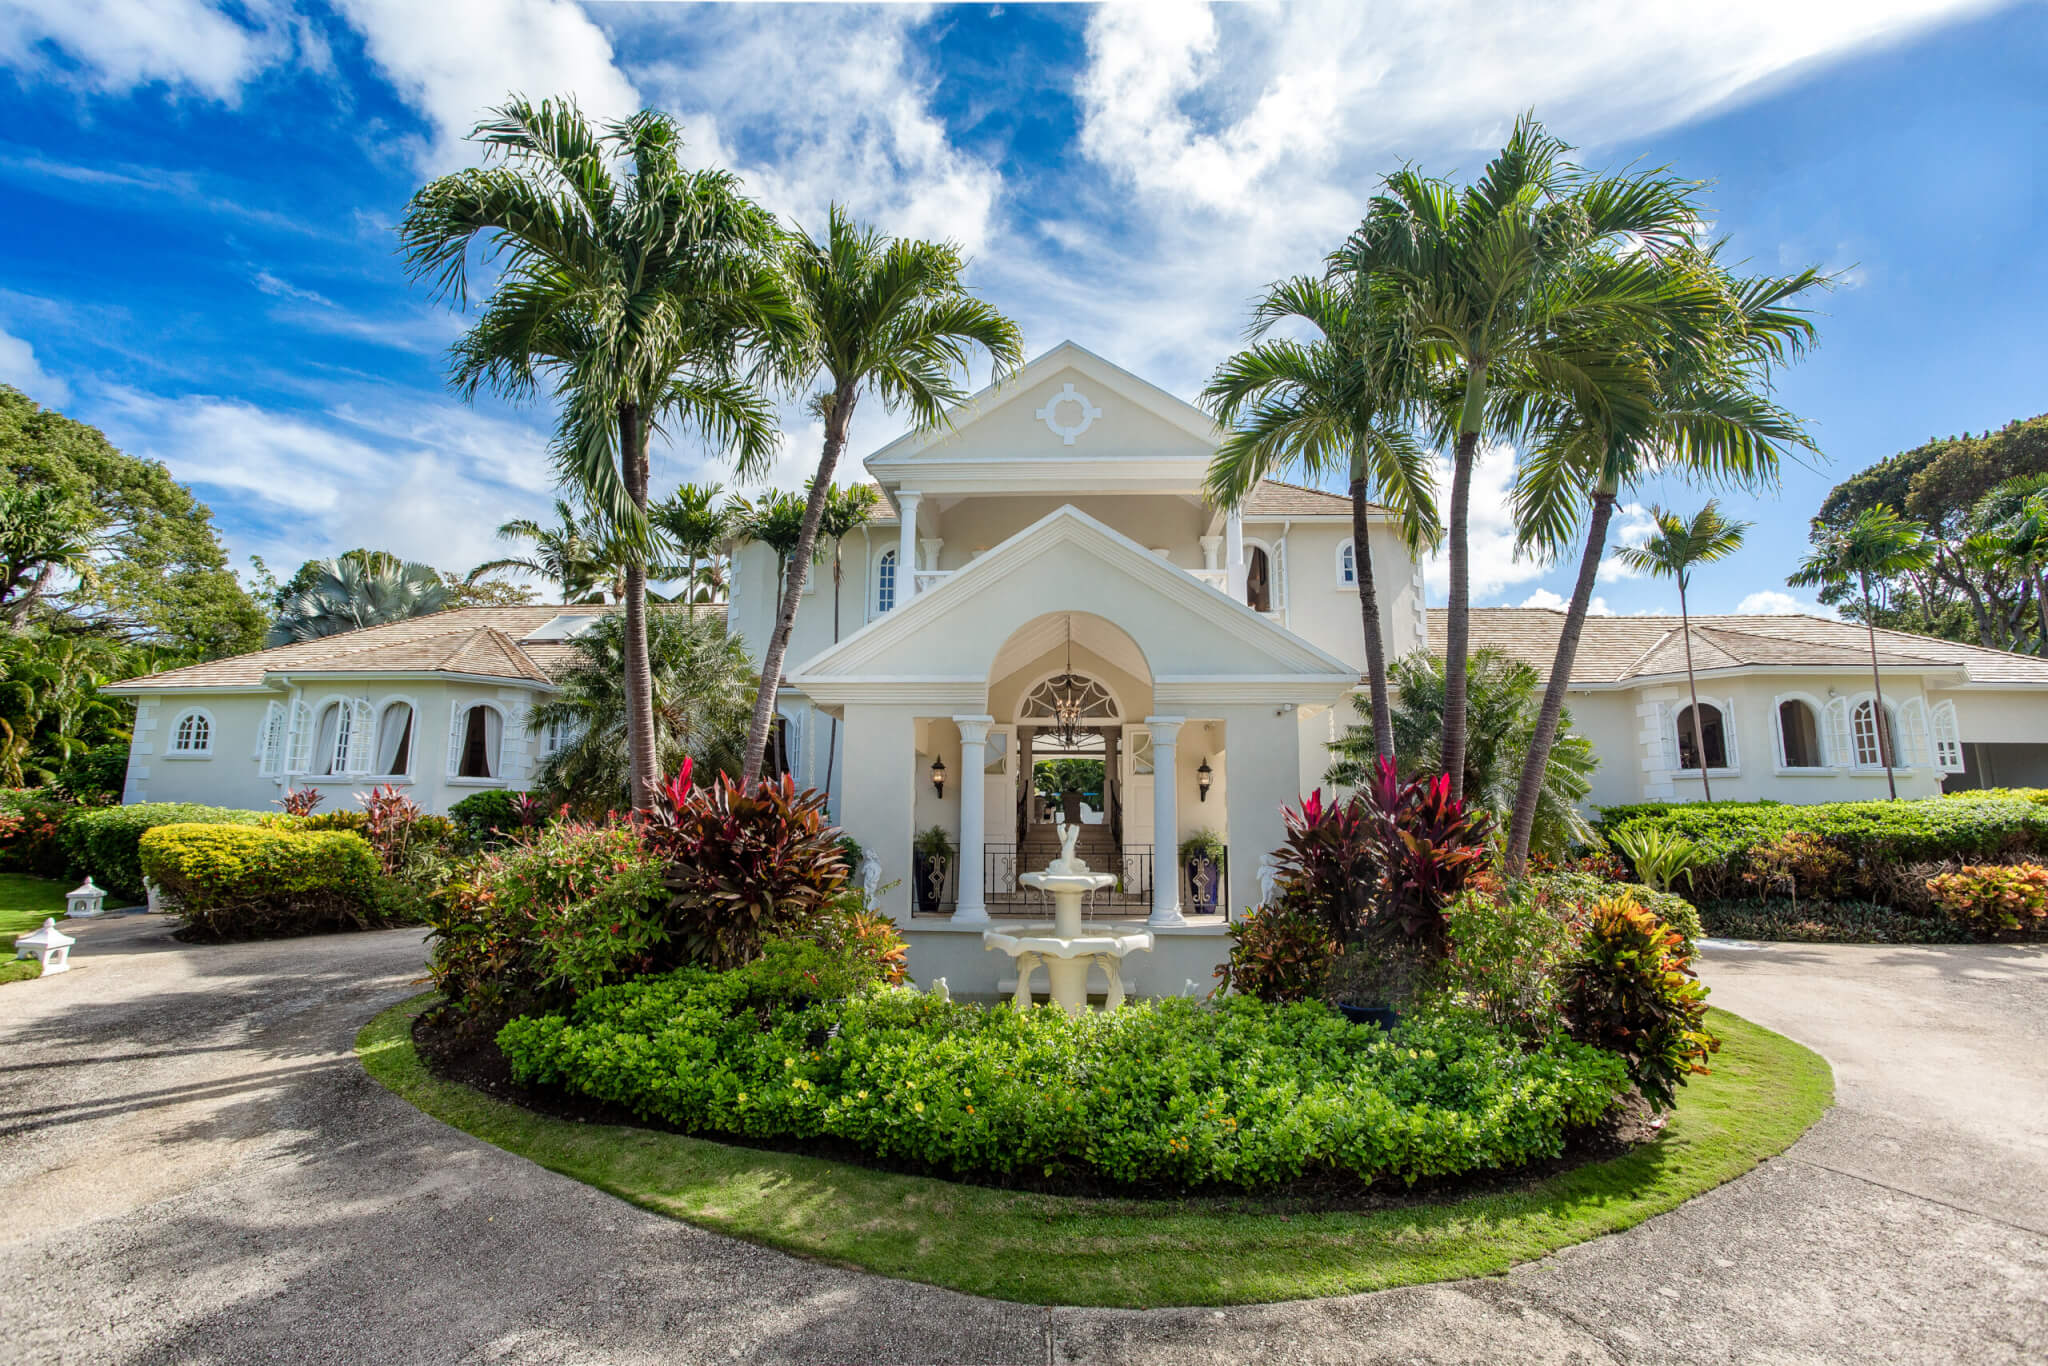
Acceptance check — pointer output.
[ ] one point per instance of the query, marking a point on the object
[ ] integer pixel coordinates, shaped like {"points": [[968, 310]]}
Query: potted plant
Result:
{"points": [[933, 858], [1201, 854], [1371, 982]]}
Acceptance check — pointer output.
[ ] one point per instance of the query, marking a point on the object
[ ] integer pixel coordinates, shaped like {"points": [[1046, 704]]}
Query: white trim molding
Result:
{"points": [[203, 728]]}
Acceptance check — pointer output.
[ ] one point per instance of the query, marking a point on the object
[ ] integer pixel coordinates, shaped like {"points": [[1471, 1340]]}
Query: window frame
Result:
{"points": [[1731, 748], [1816, 709], [412, 748], [461, 710], [1899, 764], [1346, 547], [205, 751], [886, 562]]}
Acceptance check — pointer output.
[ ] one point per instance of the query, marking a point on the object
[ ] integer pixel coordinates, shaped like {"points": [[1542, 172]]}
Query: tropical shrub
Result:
{"points": [[743, 866], [1797, 862], [1165, 1094], [488, 817], [252, 881], [1279, 954], [847, 926], [96, 776], [1828, 922], [1573, 896], [1986, 899], [1660, 857], [1329, 864], [104, 840], [1430, 846], [1631, 990], [30, 820], [1506, 953], [572, 908], [1382, 974], [300, 801]]}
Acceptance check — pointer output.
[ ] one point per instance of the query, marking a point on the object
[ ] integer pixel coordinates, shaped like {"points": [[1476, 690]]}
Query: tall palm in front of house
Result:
{"points": [[573, 554], [1673, 550], [776, 520], [356, 590], [1530, 285], [1705, 354], [887, 314], [631, 285], [1878, 544], [848, 508], [696, 522], [1336, 405]]}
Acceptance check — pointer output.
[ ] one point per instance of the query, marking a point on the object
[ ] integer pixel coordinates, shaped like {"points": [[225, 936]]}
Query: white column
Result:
{"points": [[1165, 821], [932, 546], [1212, 547], [906, 545], [1233, 544], [969, 907]]}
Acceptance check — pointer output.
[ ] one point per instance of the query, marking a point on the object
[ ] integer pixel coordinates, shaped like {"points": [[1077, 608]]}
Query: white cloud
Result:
{"points": [[280, 287], [1543, 597], [20, 368], [1490, 535], [1777, 603], [117, 45], [453, 59], [1632, 525]]}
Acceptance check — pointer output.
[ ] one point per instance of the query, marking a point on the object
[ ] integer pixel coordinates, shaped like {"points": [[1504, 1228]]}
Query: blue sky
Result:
{"points": [[199, 249]]}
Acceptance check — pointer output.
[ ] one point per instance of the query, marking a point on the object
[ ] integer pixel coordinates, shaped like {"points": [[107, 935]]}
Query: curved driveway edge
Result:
{"points": [[196, 1169]]}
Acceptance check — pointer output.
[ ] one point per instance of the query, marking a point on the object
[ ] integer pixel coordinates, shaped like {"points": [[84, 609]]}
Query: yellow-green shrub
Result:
{"points": [[1988, 898], [252, 881]]}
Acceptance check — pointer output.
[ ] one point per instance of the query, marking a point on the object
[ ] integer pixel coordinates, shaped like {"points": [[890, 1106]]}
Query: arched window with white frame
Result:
{"points": [[885, 583], [1948, 739], [1874, 734], [1800, 744], [1716, 731], [340, 744], [1347, 565], [395, 725], [192, 735], [476, 742]]}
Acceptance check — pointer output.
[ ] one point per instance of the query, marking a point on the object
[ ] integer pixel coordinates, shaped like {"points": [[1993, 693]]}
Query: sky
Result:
{"points": [[200, 258]]}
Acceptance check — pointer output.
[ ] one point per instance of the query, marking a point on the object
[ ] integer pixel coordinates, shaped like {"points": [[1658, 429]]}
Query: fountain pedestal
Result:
{"points": [[1066, 949]]}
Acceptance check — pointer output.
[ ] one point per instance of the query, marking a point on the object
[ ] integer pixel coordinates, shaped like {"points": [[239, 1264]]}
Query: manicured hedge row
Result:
{"points": [[252, 881], [1878, 835], [104, 840], [1172, 1093]]}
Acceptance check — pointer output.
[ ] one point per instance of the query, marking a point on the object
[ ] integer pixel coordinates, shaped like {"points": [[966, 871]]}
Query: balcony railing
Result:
{"points": [[928, 579], [1218, 579]]}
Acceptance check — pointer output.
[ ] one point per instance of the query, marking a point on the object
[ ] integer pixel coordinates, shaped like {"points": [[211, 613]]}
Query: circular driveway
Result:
{"points": [[195, 1169]]}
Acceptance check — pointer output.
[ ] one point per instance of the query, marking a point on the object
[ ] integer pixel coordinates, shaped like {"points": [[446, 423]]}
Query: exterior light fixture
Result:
{"points": [[1203, 777], [939, 776], [83, 903], [1069, 697]]}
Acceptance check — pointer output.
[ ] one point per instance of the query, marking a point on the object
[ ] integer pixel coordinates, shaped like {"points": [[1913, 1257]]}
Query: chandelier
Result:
{"points": [[1069, 696]]}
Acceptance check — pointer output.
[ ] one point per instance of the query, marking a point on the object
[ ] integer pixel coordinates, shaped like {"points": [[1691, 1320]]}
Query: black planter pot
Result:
{"points": [[930, 874], [1386, 1017]]}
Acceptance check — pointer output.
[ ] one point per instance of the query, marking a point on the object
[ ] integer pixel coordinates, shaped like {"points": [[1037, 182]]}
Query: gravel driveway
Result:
{"points": [[194, 1168]]}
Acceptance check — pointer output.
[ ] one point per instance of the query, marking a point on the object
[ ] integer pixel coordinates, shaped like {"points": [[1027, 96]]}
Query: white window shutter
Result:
{"points": [[1841, 741], [1667, 728], [456, 731], [1778, 728], [299, 751], [362, 737], [1948, 742], [513, 746], [1913, 728], [270, 741], [1727, 710]]}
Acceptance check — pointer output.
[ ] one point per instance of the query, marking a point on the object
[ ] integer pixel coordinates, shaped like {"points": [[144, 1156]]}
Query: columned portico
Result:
{"points": [[1165, 820], [906, 544], [971, 907]]}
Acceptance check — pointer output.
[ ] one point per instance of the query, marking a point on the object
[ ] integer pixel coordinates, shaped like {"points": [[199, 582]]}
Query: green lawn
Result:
{"points": [[25, 902], [1041, 1249]]}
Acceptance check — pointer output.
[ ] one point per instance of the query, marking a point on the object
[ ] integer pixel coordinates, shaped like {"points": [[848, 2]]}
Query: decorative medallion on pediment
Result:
{"points": [[1068, 413]]}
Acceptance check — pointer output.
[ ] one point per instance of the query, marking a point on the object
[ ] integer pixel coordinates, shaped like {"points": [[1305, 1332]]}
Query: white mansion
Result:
{"points": [[1048, 581]]}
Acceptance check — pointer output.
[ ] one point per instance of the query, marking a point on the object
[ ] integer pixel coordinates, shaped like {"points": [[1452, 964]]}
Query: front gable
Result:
{"points": [[1067, 422], [1191, 636]]}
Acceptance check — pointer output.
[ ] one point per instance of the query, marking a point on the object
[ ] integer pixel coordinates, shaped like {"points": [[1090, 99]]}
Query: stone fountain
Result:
{"points": [[1066, 949]]}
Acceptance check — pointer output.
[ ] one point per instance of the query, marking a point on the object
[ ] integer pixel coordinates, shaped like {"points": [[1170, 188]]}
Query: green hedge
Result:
{"points": [[482, 816], [249, 881], [103, 840], [1166, 1094], [1878, 835]]}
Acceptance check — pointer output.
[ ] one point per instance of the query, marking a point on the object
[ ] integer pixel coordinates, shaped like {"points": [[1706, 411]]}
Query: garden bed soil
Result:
{"points": [[467, 1054]]}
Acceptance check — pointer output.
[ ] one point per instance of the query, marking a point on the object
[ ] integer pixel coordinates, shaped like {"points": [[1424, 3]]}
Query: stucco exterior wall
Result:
{"points": [[1323, 611]]}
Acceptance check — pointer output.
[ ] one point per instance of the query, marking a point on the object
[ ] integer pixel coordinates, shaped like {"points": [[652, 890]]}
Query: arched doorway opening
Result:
{"points": [[1258, 579]]}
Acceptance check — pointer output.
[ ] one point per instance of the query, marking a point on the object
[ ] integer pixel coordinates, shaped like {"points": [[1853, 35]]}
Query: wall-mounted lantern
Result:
{"points": [[939, 776], [1203, 777]]}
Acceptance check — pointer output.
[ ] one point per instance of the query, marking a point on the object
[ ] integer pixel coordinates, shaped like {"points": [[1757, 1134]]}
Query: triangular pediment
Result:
{"points": [[1067, 561]]}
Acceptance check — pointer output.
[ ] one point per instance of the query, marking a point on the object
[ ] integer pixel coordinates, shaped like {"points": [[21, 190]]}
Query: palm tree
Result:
{"points": [[1527, 285], [847, 510], [44, 533], [1501, 717], [703, 686], [629, 283], [576, 553], [776, 520], [1322, 407], [696, 524], [890, 314], [1678, 544], [356, 590], [1877, 543], [2016, 514], [1704, 414]]}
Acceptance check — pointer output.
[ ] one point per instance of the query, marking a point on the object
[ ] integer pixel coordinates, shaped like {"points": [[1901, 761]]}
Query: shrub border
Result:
{"points": [[1041, 1249]]}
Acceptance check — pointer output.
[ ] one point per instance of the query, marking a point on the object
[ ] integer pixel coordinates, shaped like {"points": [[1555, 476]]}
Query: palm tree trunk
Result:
{"points": [[792, 591], [1699, 730], [690, 583], [832, 741], [1369, 614], [2041, 602], [1529, 790], [1458, 616], [1881, 719], [633, 437]]}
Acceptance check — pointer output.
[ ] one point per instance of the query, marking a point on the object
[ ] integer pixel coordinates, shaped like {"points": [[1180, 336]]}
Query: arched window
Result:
{"points": [[1347, 566], [477, 742], [885, 583], [1798, 735], [330, 739], [1874, 731], [1258, 579], [394, 740], [192, 736], [1712, 732]]}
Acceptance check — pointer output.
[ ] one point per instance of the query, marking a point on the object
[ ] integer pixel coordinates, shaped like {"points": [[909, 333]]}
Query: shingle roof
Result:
{"points": [[480, 642], [1618, 649]]}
